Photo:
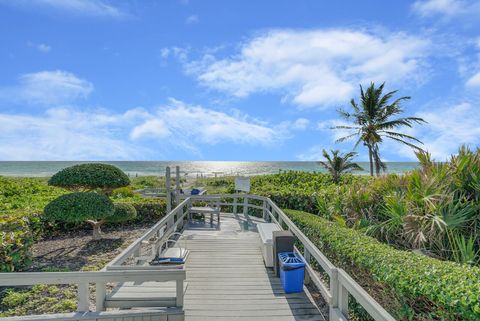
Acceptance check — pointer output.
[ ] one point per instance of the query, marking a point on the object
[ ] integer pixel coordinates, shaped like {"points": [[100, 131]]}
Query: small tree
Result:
{"points": [[91, 183], [339, 163], [77, 207]]}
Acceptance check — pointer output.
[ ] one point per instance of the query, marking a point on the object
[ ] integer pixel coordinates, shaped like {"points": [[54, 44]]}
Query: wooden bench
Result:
{"points": [[212, 209]]}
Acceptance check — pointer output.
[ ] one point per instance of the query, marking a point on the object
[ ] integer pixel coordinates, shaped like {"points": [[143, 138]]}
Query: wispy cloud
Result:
{"points": [[449, 127], [314, 68], [446, 8], [474, 81], [192, 19], [46, 88], [198, 124], [64, 133], [43, 48], [97, 8]]}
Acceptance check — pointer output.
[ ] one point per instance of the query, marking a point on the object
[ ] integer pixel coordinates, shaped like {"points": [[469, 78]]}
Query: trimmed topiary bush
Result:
{"points": [[90, 177], [87, 207], [123, 212], [431, 289]]}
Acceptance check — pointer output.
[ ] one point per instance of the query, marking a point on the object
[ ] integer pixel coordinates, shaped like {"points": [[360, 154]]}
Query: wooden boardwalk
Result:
{"points": [[227, 280]]}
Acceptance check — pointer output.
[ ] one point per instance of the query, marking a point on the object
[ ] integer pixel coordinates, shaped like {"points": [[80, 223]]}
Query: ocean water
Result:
{"points": [[190, 169]]}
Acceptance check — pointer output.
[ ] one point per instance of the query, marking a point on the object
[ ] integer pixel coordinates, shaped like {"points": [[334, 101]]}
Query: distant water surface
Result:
{"points": [[191, 169]]}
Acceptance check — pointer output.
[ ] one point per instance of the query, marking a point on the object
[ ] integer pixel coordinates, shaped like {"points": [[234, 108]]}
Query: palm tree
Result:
{"points": [[339, 163], [372, 122]]}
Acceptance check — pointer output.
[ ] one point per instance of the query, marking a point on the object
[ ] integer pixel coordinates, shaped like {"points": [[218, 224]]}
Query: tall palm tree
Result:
{"points": [[339, 163], [372, 122]]}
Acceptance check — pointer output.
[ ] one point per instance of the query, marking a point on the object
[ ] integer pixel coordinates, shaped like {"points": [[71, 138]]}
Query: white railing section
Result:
{"points": [[99, 278]]}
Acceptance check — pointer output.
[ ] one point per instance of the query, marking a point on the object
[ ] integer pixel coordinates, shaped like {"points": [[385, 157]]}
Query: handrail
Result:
{"points": [[120, 258], [99, 278]]}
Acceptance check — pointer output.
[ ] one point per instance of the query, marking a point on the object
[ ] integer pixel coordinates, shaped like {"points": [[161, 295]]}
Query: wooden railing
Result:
{"points": [[340, 286], [99, 278]]}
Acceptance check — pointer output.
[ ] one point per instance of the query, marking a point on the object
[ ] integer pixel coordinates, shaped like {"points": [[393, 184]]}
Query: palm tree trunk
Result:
{"points": [[371, 159]]}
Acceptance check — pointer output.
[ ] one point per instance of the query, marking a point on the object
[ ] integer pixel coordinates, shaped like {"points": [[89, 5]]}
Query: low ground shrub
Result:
{"points": [[428, 289]]}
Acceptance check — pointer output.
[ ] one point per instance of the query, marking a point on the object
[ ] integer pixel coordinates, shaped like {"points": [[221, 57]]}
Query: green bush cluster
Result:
{"points": [[90, 176], [122, 212], [431, 289], [79, 207]]}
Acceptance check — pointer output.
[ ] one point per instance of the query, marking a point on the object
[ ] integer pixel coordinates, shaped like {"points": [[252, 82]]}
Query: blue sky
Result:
{"points": [[228, 80]]}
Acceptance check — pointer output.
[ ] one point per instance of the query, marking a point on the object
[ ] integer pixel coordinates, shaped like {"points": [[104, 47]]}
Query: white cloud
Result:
{"points": [[47, 88], [474, 81], [450, 127], [431, 7], [192, 19], [187, 124], [314, 68], [64, 134], [81, 7], [301, 124], [155, 128], [44, 48], [446, 8]]}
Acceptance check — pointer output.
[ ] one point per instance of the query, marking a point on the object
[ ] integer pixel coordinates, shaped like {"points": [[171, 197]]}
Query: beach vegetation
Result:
{"points": [[338, 163], [373, 121]]}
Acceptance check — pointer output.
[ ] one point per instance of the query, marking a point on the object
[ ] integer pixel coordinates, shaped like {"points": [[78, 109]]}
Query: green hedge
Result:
{"points": [[432, 289], [90, 176]]}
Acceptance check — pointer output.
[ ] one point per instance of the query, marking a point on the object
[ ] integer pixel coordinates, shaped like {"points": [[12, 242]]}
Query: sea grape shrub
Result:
{"points": [[89, 207], [122, 212], [427, 288], [123, 192], [88, 177], [16, 240]]}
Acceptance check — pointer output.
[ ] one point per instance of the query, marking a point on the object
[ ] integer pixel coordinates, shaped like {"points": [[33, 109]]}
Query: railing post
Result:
{"points": [[334, 293], [179, 294], [235, 200], [169, 189], [100, 293], [177, 185], [245, 206], [82, 296], [306, 257], [343, 299], [264, 215]]}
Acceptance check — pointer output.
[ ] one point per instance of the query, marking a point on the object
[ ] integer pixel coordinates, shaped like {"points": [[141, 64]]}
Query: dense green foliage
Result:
{"points": [[90, 177], [16, 238], [21, 199], [79, 207], [123, 212], [430, 288], [39, 299]]}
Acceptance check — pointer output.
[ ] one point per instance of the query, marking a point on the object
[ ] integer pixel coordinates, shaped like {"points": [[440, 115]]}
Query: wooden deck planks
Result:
{"points": [[227, 279]]}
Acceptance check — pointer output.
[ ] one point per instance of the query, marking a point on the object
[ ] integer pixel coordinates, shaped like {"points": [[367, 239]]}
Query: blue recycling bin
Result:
{"points": [[292, 271]]}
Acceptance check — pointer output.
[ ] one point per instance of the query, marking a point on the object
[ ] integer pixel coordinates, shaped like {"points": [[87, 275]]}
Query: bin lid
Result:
{"points": [[290, 259]]}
